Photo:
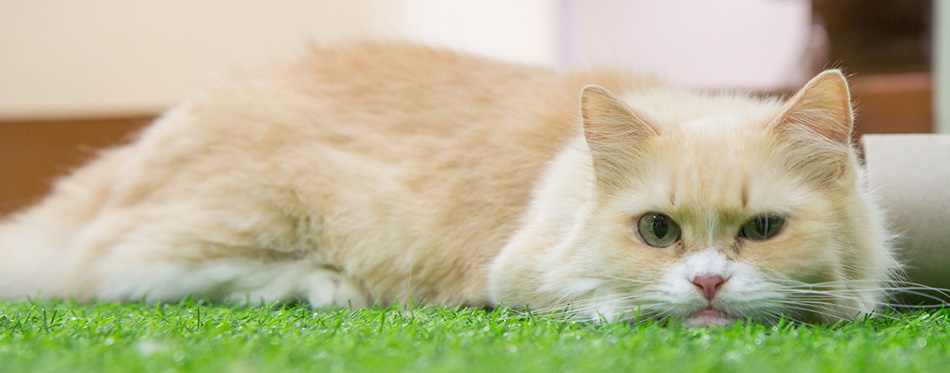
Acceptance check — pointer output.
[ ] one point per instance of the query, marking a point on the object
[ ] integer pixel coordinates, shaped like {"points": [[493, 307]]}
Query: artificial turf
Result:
{"points": [[191, 336]]}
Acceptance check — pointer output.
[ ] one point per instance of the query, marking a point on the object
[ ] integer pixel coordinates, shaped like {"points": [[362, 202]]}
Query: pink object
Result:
{"points": [[759, 45], [709, 285]]}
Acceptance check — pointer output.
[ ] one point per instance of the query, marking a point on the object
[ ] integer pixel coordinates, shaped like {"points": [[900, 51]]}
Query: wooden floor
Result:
{"points": [[34, 153], [893, 103]]}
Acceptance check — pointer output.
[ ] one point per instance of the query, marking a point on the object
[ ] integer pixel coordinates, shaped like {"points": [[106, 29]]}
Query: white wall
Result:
{"points": [[107, 57], [102, 56], [115, 57], [515, 30], [942, 66]]}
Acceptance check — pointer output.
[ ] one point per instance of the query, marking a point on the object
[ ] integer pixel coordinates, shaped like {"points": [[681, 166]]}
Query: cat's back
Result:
{"points": [[377, 93], [394, 103], [389, 162]]}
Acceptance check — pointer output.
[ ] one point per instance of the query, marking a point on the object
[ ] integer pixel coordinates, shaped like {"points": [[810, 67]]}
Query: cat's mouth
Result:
{"points": [[708, 317]]}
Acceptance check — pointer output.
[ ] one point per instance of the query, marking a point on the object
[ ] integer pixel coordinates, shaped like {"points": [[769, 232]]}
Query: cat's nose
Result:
{"points": [[709, 285]]}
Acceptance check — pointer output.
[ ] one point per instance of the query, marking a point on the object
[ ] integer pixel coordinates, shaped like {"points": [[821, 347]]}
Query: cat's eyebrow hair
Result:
{"points": [[745, 192], [672, 189]]}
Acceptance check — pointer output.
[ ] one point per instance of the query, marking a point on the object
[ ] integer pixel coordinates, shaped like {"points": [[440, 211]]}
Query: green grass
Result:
{"points": [[63, 336]]}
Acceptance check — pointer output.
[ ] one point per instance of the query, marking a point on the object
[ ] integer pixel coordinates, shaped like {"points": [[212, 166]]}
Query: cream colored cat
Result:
{"points": [[374, 173]]}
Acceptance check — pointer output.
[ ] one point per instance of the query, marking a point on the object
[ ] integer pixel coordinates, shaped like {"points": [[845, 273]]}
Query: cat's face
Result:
{"points": [[732, 208]]}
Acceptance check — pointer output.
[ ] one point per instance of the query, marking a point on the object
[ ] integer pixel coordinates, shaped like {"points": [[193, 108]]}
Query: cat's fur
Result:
{"points": [[374, 173]]}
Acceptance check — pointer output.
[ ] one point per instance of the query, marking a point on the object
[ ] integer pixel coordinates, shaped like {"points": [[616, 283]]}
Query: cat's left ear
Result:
{"points": [[821, 111], [816, 127]]}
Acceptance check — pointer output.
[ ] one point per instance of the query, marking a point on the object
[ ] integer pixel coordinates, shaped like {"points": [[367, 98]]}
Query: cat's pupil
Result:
{"points": [[762, 224], [660, 226], [762, 227]]}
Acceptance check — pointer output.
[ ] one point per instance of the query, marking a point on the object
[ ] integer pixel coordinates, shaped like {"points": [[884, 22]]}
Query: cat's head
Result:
{"points": [[714, 208]]}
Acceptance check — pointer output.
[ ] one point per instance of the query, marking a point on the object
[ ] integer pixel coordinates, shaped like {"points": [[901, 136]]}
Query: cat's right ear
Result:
{"points": [[614, 132], [607, 119]]}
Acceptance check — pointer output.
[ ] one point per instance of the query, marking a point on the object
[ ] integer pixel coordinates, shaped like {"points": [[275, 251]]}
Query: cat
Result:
{"points": [[371, 173]]}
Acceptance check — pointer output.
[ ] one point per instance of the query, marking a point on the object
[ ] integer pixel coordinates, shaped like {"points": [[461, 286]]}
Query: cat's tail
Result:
{"points": [[37, 258]]}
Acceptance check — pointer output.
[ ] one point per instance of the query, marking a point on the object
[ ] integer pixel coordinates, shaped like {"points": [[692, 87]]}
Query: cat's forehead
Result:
{"points": [[701, 185], [715, 132], [713, 152], [671, 108]]}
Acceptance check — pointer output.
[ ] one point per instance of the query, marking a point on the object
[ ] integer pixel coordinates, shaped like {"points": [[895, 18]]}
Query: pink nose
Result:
{"points": [[709, 285]]}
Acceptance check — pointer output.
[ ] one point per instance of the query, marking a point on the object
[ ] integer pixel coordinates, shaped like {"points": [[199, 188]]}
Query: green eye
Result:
{"points": [[762, 227], [658, 230]]}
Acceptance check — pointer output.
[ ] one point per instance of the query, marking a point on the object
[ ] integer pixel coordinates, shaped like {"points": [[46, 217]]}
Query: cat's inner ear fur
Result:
{"points": [[614, 132], [816, 125], [822, 110], [607, 118]]}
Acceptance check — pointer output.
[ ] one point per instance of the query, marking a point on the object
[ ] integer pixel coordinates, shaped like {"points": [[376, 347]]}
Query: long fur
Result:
{"points": [[372, 173]]}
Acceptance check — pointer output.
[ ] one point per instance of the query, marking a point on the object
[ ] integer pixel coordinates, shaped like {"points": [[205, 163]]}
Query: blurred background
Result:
{"points": [[76, 76]]}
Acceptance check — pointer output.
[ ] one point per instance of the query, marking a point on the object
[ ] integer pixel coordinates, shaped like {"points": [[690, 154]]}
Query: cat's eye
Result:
{"points": [[762, 227], [658, 230]]}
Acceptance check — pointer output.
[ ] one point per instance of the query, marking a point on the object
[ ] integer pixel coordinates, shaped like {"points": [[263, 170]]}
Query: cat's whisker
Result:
{"points": [[589, 308], [803, 305], [856, 294], [844, 289], [891, 284], [776, 316], [628, 280]]}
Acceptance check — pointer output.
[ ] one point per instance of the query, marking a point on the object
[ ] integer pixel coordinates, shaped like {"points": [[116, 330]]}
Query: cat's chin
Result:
{"points": [[708, 317]]}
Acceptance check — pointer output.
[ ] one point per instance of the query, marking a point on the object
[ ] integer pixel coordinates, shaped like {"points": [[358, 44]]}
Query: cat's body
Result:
{"points": [[375, 173]]}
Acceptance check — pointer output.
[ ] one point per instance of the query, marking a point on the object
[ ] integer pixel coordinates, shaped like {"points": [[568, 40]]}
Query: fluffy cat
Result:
{"points": [[373, 173]]}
